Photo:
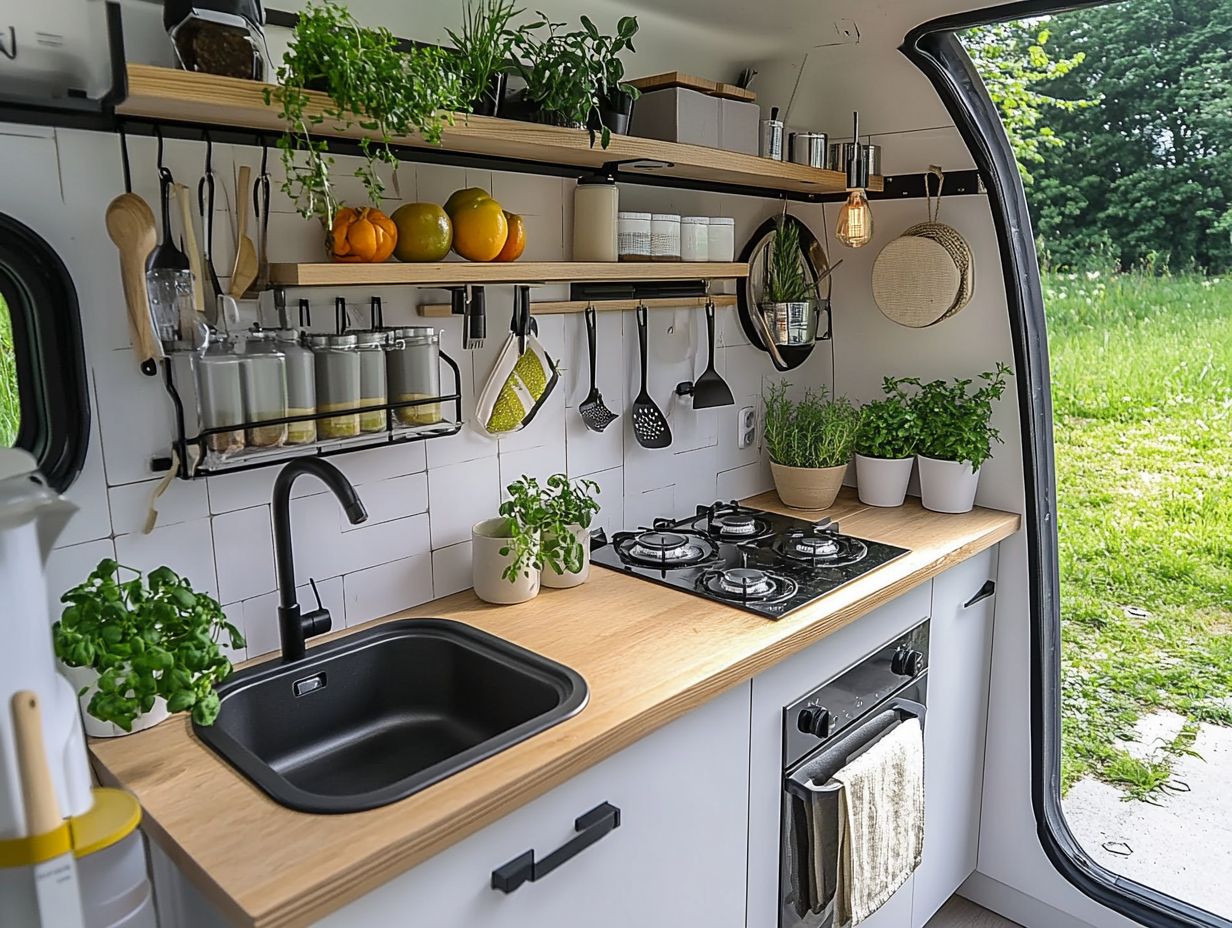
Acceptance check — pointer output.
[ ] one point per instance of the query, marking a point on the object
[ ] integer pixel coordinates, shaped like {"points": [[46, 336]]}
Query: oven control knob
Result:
{"points": [[907, 662], [815, 721]]}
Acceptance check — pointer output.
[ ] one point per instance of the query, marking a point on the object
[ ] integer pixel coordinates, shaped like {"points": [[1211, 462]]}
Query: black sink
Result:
{"points": [[372, 718]]}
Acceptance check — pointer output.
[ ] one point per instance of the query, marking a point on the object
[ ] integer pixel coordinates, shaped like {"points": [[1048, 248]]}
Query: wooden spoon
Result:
{"points": [[131, 225], [245, 270]]}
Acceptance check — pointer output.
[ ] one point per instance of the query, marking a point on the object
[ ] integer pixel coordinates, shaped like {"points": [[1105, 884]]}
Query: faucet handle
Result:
{"points": [[317, 593], [318, 621]]}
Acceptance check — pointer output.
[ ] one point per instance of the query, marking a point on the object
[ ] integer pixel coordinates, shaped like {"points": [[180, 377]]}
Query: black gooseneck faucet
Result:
{"points": [[294, 627]]}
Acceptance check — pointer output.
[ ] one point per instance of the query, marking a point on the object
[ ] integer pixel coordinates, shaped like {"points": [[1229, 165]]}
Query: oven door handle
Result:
{"points": [[804, 786]]}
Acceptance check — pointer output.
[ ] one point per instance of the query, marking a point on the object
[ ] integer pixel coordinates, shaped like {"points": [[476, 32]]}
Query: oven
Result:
{"points": [[822, 732]]}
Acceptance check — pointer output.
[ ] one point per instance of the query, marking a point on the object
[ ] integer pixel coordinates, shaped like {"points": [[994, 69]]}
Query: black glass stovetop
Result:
{"points": [[759, 561]]}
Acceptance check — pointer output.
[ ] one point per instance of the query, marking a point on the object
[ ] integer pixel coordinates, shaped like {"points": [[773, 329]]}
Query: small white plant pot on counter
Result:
{"points": [[570, 578], [488, 566], [96, 728], [883, 481], [947, 486], [807, 487]]}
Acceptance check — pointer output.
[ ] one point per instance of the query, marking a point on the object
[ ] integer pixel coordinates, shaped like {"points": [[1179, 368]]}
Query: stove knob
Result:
{"points": [[907, 662], [815, 721]]}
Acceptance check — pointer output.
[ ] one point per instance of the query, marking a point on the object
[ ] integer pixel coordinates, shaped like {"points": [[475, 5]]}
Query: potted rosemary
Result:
{"points": [[885, 446], [570, 508], [484, 45], [788, 295], [810, 443]]}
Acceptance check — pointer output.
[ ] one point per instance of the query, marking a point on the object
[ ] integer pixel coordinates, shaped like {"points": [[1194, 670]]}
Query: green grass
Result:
{"points": [[10, 409], [1142, 395]]}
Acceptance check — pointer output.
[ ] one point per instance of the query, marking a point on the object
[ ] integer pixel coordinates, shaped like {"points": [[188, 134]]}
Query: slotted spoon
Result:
{"points": [[594, 413], [650, 427]]}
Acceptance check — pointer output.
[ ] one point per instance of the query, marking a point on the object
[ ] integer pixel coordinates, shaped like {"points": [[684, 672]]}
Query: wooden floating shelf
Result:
{"points": [[457, 273], [562, 307], [170, 95]]}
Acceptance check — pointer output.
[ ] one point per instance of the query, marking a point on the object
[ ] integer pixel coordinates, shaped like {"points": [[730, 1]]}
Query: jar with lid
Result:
{"points": [[264, 376], [664, 237], [336, 363], [372, 381], [220, 394], [695, 238], [224, 37], [301, 386], [596, 201], [415, 373], [721, 244], [633, 237]]}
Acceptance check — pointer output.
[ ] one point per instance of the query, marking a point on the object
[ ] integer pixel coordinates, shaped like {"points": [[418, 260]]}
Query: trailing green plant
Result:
{"points": [[785, 278], [816, 431], [611, 67], [888, 425], [372, 86], [954, 422], [483, 44], [569, 504], [146, 639], [525, 516]]}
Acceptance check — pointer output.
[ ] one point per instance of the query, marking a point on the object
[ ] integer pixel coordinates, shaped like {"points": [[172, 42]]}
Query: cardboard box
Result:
{"points": [[739, 126], [678, 115]]}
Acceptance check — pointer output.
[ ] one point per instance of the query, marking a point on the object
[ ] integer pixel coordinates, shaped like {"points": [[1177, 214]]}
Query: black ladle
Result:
{"points": [[710, 389], [167, 255]]}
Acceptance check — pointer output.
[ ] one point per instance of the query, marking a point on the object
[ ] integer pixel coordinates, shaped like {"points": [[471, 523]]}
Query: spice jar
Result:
{"points": [[414, 357], [220, 394], [264, 377], [721, 243], [336, 363], [595, 224], [664, 237], [695, 238], [222, 37], [301, 386], [633, 236], [372, 386]]}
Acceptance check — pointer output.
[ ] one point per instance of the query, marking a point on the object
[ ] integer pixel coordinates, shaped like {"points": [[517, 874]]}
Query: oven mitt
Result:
{"points": [[519, 386]]}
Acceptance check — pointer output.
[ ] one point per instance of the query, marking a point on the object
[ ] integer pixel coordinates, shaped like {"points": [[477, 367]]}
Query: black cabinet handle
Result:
{"points": [[984, 592], [590, 827]]}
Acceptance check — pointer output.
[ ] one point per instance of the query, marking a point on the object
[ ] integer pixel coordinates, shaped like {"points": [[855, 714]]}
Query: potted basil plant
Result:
{"points": [[483, 45], [571, 507], [955, 437], [885, 446], [507, 552], [615, 98], [810, 444], [142, 648]]}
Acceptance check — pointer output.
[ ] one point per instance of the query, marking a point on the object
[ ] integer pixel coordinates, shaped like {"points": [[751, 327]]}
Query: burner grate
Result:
{"points": [[747, 585]]}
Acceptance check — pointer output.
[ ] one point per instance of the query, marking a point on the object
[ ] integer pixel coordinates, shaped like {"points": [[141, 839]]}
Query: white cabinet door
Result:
{"points": [[896, 912], [960, 653], [677, 859]]}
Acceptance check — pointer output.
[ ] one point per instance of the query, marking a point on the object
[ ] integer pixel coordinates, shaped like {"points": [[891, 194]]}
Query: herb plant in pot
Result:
{"points": [[142, 648], [955, 437], [484, 44], [615, 98], [788, 299], [507, 552], [810, 445], [885, 446], [571, 507]]}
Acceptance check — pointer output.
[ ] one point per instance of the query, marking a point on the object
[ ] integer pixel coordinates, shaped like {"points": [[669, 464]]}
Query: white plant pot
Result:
{"points": [[883, 481], [96, 728], [947, 486], [570, 578], [488, 564]]}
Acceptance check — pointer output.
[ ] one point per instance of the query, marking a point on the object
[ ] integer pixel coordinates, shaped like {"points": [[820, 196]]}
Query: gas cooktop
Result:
{"points": [[760, 561]]}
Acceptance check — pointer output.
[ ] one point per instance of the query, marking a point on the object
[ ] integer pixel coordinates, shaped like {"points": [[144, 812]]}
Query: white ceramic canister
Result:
{"points": [[721, 239], [665, 237], [695, 238], [633, 236]]}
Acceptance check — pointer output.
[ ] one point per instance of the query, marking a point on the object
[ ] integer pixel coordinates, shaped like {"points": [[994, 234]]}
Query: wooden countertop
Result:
{"points": [[648, 653]]}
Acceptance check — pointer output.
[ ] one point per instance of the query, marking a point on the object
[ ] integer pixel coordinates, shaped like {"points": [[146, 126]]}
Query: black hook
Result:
{"points": [[128, 171], [378, 314], [340, 317], [158, 134], [305, 314]]}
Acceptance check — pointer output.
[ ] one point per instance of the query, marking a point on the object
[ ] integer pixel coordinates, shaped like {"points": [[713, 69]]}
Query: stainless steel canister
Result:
{"points": [[337, 373], [414, 356], [841, 151], [372, 381], [264, 375], [808, 148], [220, 393], [771, 145], [301, 386]]}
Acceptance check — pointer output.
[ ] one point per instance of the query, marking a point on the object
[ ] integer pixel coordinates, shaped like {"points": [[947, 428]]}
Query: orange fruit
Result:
{"points": [[465, 197], [480, 230], [362, 235], [425, 232], [515, 244]]}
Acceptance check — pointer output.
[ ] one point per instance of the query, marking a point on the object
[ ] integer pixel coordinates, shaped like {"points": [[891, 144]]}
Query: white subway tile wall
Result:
{"points": [[421, 498]]}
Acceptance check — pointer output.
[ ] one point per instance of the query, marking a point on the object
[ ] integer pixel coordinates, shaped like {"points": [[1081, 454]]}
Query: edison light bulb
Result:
{"points": [[855, 220]]}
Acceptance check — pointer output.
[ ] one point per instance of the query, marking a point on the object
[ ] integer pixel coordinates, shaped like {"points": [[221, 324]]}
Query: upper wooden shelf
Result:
{"points": [[514, 272], [181, 96]]}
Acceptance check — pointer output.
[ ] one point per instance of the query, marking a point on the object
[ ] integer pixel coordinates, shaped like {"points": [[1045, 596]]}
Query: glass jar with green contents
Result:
{"points": [[336, 363], [372, 386], [301, 386], [264, 378], [414, 357]]}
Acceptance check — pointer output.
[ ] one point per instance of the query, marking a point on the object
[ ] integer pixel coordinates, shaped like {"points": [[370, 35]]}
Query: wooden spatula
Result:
{"points": [[245, 270], [130, 223]]}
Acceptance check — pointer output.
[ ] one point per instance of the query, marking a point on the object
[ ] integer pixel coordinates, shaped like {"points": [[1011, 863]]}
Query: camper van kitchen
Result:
{"points": [[476, 466]]}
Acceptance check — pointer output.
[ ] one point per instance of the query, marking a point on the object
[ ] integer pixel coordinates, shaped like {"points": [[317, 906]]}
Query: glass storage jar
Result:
{"points": [[664, 237], [372, 385], [220, 394], [721, 243], [336, 363], [695, 238], [264, 375], [633, 236], [301, 386], [415, 373]]}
